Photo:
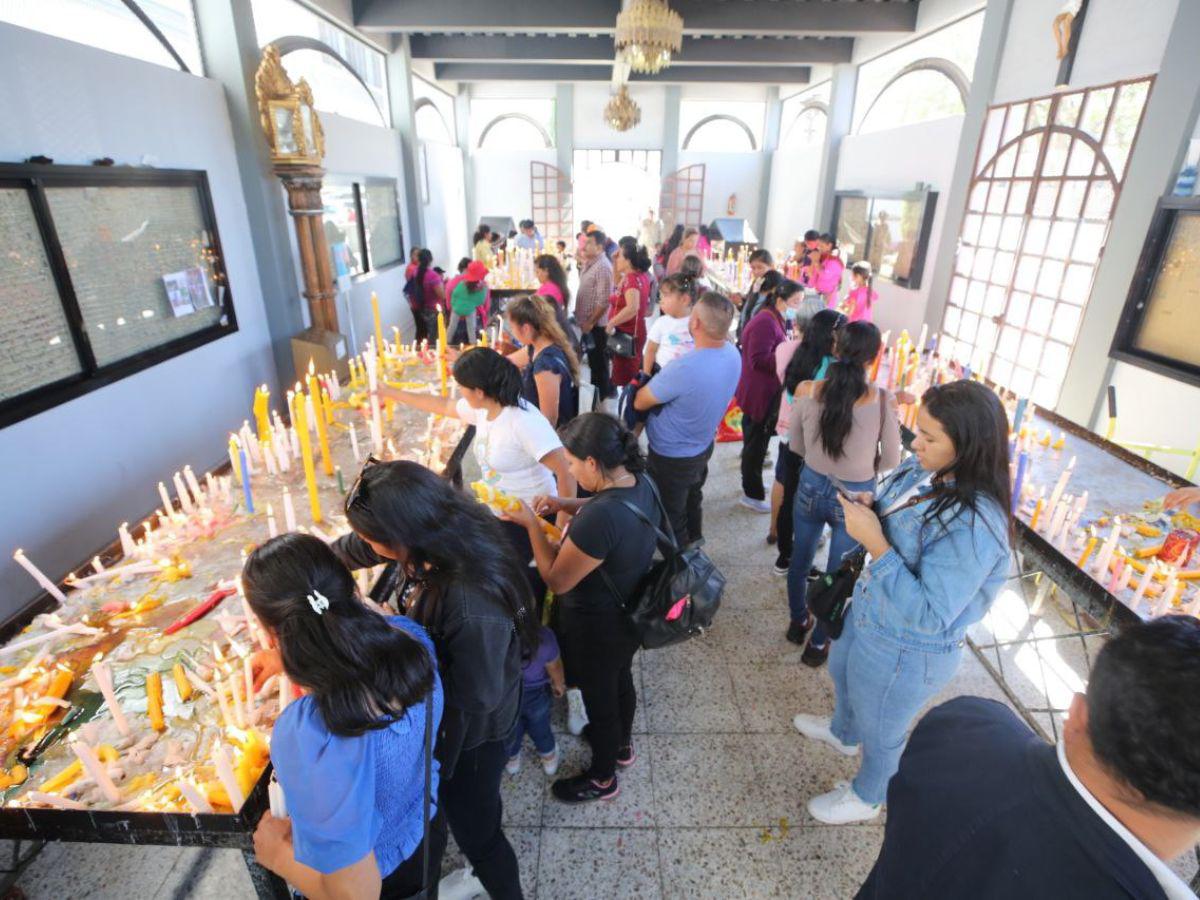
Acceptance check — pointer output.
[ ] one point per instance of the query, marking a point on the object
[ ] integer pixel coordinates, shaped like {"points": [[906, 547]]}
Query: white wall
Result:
{"points": [[792, 206], [502, 181], [725, 174], [592, 133], [1154, 409], [896, 160], [445, 215], [71, 475]]}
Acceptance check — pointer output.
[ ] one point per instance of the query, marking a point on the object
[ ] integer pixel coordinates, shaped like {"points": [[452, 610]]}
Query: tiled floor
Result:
{"points": [[713, 808]]}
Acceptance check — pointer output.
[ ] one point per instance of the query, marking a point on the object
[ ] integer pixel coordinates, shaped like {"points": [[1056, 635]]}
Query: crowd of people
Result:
{"points": [[480, 621]]}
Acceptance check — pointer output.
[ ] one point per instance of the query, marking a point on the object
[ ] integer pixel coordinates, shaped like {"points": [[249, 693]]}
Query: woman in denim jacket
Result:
{"points": [[938, 560]]}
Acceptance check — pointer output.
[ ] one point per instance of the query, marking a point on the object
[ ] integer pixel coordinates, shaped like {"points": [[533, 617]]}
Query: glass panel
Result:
{"points": [[986, 338], [1089, 241], [1018, 309], [983, 263], [971, 225], [1027, 270], [1046, 197], [1010, 340], [1016, 122], [1099, 200], [1039, 111], [1055, 357], [1018, 197], [958, 290], [919, 96], [1002, 268], [970, 324], [1061, 235], [140, 262], [1045, 392], [1031, 349], [1021, 381], [1067, 112], [948, 347], [1082, 159], [975, 296], [1050, 277], [979, 193], [991, 135], [1126, 117], [1036, 235], [1010, 232], [964, 260], [37, 347], [1001, 370], [1005, 162], [1095, 111], [1077, 284], [1066, 320], [998, 197], [1027, 161], [989, 235], [953, 319], [1070, 200], [513, 134], [1169, 326], [1040, 312], [341, 228], [993, 304], [1056, 154], [383, 223], [806, 130]]}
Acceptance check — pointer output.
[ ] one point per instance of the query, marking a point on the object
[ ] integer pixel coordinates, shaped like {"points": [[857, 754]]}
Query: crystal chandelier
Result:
{"points": [[648, 32], [622, 113]]}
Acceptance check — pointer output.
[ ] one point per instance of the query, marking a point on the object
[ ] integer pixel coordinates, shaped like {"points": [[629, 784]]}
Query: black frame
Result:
{"points": [[1141, 289], [928, 199], [357, 183], [34, 179]]}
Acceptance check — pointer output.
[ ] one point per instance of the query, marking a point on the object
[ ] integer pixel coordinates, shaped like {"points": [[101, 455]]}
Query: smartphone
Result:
{"points": [[841, 488]]}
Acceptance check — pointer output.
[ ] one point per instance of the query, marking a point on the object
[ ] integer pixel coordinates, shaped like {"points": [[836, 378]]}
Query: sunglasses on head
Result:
{"points": [[357, 489]]}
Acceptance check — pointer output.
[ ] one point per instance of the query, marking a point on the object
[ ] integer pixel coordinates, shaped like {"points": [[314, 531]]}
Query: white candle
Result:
{"points": [[1060, 518], [193, 484], [248, 443], [199, 684], [192, 794], [227, 488], [1109, 548], [185, 501], [54, 800], [248, 676], [167, 505], [1061, 484], [1143, 584], [354, 443], [311, 412], [1126, 577], [104, 679], [335, 386], [127, 545], [239, 712], [228, 779], [281, 454], [269, 460], [47, 585], [295, 442], [97, 565], [289, 511], [1166, 600], [96, 770], [272, 528]]}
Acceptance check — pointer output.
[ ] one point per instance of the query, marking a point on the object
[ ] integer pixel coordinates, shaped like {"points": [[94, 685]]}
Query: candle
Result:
{"points": [[921, 340], [1037, 512], [1019, 483], [228, 779], [234, 464], [127, 545], [1061, 484], [314, 395], [1057, 521], [262, 397], [185, 500], [441, 326], [104, 680], [354, 443], [193, 484], [246, 482], [289, 511], [275, 796], [1143, 586], [1126, 577], [272, 528], [247, 443], [192, 794], [281, 455], [226, 717], [378, 322], [335, 386], [1087, 551], [1109, 548], [341, 484], [248, 677], [285, 691], [47, 585], [235, 698], [168, 506], [96, 770], [306, 454]]}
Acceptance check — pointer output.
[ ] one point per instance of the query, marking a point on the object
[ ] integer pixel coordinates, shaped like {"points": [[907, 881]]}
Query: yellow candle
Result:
{"points": [[327, 403], [1037, 512], [300, 418], [441, 325], [314, 390], [378, 323], [234, 450], [262, 397], [1087, 551]]}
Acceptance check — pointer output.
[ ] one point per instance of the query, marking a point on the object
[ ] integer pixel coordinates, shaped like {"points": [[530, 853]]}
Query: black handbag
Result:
{"points": [[680, 595], [621, 344], [423, 893]]}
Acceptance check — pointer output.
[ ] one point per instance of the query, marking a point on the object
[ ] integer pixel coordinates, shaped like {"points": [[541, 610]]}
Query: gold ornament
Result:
{"points": [[622, 113], [294, 133], [648, 32]]}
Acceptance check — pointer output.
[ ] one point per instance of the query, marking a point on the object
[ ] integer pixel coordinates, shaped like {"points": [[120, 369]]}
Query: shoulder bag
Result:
{"points": [[624, 344], [424, 892]]}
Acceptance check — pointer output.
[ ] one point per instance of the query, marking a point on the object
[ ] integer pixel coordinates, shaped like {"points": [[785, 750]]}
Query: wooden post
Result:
{"points": [[303, 186]]}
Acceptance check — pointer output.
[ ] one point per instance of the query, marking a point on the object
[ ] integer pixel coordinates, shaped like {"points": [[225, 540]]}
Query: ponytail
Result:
{"points": [[816, 344], [539, 314], [605, 439], [424, 261], [483, 369], [845, 384], [863, 271], [682, 283]]}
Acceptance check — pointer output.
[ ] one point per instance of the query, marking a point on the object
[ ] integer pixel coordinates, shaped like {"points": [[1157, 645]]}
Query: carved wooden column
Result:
{"points": [[303, 186]]}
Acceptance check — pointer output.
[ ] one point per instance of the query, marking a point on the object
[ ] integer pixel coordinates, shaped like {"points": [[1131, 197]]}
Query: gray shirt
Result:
{"points": [[857, 462]]}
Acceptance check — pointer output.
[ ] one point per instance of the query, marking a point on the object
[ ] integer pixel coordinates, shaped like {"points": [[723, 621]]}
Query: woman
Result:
{"points": [[759, 297], [796, 361], [758, 389], [359, 730], [482, 247], [413, 262], [761, 262], [601, 561], [938, 560], [826, 271], [686, 248], [704, 243], [838, 427], [669, 246], [426, 293], [549, 367], [552, 283], [470, 293], [627, 308]]}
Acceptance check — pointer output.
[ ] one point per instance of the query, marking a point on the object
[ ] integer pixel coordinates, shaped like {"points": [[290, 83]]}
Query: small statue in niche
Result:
{"points": [[1062, 26], [731, 206]]}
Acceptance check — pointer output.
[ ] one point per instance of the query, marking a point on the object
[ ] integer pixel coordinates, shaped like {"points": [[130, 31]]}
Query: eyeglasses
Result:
{"points": [[356, 489]]}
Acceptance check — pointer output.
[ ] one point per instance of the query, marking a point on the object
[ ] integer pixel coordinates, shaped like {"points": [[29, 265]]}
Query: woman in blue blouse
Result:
{"points": [[938, 559], [350, 754]]}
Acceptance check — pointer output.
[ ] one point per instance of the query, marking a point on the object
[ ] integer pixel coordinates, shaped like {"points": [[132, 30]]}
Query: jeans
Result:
{"points": [[534, 720], [879, 687], [469, 318], [680, 482], [756, 437], [597, 357], [816, 505], [471, 801], [787, 473], [406, 879], [597, 651]]}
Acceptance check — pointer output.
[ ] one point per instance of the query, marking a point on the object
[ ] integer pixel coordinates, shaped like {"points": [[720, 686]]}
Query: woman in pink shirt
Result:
{"points": [[859, 304], [687, 247], [828, 269], [553, 284]]}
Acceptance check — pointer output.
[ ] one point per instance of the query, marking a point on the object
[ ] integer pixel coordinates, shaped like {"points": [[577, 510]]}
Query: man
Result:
{"points": [[529, 238], [983, 808], [591, 307], [650, 235], [689, 398]]}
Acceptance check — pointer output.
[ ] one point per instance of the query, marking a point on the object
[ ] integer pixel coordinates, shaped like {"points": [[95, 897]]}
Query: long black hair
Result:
{"points": [[605, 439], [816, 344], [977, 425], [483, 231], [483, 369], [361, 671], [557, 276], [846, 383], [452, 542], [424, 261], [635, 255], [673, 241]]}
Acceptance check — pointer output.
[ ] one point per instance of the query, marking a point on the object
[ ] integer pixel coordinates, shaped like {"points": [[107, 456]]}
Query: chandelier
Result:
{"points": [[622, 113], [648, 32]]}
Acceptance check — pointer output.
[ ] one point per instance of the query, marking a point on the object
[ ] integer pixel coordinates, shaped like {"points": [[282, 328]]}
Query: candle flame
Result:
{"points": [[311, 366]]}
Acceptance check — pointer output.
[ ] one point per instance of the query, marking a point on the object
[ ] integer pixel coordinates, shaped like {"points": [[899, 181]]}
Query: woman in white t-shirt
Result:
{"points": [[669, 338], [518, 451]]}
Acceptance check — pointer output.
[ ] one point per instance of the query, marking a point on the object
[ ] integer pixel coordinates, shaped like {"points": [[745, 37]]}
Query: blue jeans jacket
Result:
{"points": [[939, 577]]}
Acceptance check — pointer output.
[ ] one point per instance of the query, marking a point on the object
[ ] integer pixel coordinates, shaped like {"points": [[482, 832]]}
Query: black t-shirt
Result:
{"points": [[606, 529]]}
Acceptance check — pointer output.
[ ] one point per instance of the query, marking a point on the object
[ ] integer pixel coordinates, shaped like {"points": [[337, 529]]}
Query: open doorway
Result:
{"points": [[614, 188]]}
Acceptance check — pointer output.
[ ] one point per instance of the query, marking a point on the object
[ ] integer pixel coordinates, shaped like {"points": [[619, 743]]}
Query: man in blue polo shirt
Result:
{"points": [[688, 399]]}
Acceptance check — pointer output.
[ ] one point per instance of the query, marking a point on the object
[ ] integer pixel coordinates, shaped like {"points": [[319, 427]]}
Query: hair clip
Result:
{"points": [[318, 601]]}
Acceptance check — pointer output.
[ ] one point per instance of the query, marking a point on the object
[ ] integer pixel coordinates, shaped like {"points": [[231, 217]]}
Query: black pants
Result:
{"points": [[406, 878], [756, 437], [597, 357], [519, 538], [680, 482], [471, 800], [787, 473], [597, 651]]}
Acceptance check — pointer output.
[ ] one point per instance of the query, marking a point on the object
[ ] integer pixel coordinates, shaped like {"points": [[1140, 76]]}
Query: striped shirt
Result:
{"points": [[595, 287]]}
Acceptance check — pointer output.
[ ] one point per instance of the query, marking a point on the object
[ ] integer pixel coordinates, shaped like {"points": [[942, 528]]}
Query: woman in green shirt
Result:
{"points": [[468, 295]]}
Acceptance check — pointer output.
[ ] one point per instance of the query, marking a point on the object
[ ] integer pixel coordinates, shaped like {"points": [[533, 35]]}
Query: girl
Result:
{"points": [[602, 559], [826, 272], [552, 283], [469, 294], [425, 295], [860, 302], [627, 308], [838, 427], [359, 729], [482, 246], [549, 367], [669, 336], [938, 560]]}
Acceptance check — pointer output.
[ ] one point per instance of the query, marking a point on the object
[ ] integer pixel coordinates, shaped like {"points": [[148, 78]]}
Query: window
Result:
{"points": [[108, 272], [888, 231], [1047, 176], [110, 25], [362, 224], [890, 80], [512, 124], [348, 76], [650, 161], [721, 125], [431, 127]]}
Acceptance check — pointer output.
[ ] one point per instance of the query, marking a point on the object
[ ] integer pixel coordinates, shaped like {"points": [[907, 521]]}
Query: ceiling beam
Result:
{"points": [[719, 17], [674, 75], [599, 49]]}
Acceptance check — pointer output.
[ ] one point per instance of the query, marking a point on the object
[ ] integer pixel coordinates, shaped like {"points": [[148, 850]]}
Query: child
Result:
{"points": [[669, 338], [543, 674], [860, 302]]}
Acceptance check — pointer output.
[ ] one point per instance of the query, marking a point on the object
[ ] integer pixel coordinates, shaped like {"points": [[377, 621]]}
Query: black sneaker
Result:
{"points": [[814, 657], [798, 631], [582, 789], [813, 574], [782, 564], [626, 756]]}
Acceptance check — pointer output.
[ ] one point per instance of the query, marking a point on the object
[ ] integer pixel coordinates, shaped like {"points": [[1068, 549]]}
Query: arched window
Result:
{"points": [[721, 133], [514, 131], [920, 92], [336, 87], [431, 126], [807, 129]]}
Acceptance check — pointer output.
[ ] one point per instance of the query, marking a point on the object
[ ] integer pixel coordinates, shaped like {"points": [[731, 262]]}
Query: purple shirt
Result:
{"points": [[547, 652], [758, 389]]}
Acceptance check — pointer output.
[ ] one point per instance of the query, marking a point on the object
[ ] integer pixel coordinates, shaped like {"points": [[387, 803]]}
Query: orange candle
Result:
{"points": [[1087, 551], [1037, 512]]}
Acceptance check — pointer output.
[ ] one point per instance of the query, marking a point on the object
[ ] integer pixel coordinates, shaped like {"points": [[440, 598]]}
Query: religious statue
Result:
{"points": [[1062, 26], [731, 206]]}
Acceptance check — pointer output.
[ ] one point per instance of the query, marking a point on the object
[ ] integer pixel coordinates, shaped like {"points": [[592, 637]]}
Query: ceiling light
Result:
{"points": [[648, 32], [622, 113]]}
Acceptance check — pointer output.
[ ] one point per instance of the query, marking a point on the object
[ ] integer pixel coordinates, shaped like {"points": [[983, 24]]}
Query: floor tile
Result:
{"points": [[691, 700], [769, 694], [754, 636], [608, 862], [209, 873], [706, 780], [634, 807], [794, 769], [522, 794], [98, 871], [721, 863], [829, 863]]}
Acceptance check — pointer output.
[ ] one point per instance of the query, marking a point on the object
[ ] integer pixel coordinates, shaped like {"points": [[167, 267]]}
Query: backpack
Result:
{"points": [[680, 595]]}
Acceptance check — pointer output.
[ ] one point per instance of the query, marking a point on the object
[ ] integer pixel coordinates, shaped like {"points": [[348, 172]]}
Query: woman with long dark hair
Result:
{"points": [[481, 246], [426, 292], [552, 280], [603, 558], [671, 244], [827, 269], [548, 364], [358, 731], [764, 279], [847, 431], [938, 559], [797, 360], [627, 308]]}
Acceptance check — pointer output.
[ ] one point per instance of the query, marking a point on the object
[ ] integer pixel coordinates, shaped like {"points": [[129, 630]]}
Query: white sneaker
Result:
{"points": [[758, 506], [513, 766], [842, 806], [817, 728], [577, 716], [461, 885], [550, 762]]}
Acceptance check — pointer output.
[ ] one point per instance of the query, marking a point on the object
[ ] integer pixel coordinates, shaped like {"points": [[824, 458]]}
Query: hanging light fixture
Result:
{"points": [[648, 32], [622, 112]]}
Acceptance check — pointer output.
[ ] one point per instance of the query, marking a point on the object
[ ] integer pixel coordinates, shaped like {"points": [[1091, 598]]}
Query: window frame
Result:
{"points": [[34, 179], [929, 199], [720, 117], [357, 183]]}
